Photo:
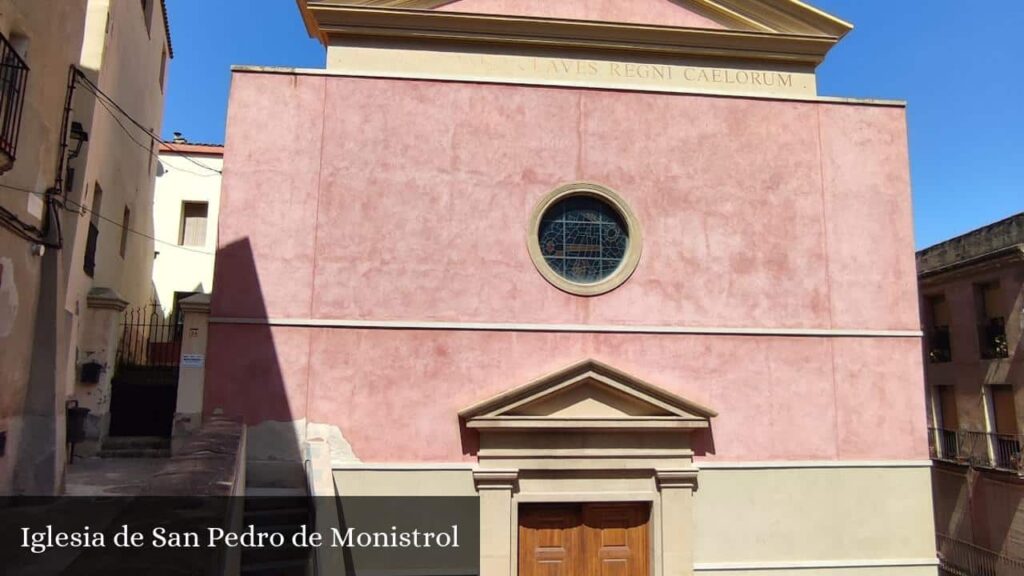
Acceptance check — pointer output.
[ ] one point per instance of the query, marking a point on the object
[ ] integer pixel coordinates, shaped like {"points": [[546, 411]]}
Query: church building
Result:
{"points": [[616, 269]]}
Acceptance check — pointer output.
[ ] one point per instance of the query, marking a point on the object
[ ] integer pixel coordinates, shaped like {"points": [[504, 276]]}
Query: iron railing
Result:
{"points": [[148, 339], [13, 81], [960, 558], [978, 449], [944, 444], [1006, 452]]}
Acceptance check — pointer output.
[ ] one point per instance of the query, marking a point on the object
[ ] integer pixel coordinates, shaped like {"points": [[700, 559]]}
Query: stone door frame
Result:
{"points": [[587, 433]]}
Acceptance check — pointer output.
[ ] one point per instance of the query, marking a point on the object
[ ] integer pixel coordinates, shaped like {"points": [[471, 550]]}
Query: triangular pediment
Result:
{"points": [[772, 16], [588, 395]]}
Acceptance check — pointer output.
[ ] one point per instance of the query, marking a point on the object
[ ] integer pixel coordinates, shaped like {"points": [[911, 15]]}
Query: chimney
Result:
{"points": [[179, 139]]}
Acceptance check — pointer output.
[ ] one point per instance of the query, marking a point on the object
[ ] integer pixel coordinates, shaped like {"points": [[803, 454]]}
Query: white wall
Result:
{"points": [[186, 268]]}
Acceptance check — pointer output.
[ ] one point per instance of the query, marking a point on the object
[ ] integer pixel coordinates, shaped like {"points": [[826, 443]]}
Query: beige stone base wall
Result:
{"points": [[871, 519], [805, 519]]}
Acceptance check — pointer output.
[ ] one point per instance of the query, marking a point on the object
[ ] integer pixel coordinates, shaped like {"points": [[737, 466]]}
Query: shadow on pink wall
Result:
{"points": [[244, 378]]}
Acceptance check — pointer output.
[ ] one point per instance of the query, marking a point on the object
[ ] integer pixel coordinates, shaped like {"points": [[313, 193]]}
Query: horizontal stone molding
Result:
{"points": [[816, 565], [580, 328], [805, 464], [105, 299], [440, 77], [766, 465], [405, 466]]}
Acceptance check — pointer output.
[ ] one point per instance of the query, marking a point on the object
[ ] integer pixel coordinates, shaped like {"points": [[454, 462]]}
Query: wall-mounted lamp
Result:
{"points": [[80, 136]]}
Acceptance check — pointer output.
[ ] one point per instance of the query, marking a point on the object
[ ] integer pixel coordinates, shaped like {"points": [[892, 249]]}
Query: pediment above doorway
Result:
{"points": [[589, 395]]}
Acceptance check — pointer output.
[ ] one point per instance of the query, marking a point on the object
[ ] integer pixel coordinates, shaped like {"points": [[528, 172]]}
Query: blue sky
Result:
{"points": [[960, 65]]}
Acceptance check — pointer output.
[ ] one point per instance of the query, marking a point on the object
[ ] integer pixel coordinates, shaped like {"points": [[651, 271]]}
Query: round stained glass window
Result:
{"points": [[584, 239]]}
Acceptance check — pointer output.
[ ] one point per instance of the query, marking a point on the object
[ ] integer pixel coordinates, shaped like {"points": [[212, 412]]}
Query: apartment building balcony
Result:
{"points": [[13, 82], [960, 558], [977, 449]]}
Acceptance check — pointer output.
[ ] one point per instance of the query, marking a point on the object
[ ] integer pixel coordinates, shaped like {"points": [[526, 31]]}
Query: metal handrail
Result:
{"points": [[961, 558], [978, 449]]}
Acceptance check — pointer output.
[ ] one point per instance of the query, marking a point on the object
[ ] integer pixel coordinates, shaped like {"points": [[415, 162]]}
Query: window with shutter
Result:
{"points": [[193, 224]]}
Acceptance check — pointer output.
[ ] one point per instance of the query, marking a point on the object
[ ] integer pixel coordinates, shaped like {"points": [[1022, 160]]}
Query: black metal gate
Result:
{"points": [[144, 388]]}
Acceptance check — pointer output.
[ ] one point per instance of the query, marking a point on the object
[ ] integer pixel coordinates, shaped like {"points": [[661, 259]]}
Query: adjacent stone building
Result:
{"points": [[80, 191], [972, 309], [185, 209], [612, 266]]}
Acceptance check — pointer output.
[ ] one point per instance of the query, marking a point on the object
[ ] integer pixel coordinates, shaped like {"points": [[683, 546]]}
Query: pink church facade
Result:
{"points": [[374, 279]]}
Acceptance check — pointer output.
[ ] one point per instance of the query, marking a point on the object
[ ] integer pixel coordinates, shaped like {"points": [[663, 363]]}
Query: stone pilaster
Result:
{"points": [[496, 488], [192, 372], [677, 488], [100, 332]]}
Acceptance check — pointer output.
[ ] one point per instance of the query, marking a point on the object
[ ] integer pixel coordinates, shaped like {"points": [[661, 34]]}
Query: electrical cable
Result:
{"points": [[145, 148], [79, 206], [101, 96]]}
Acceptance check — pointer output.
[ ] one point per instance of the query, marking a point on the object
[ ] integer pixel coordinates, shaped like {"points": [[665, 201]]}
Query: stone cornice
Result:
{"points": [[195, 303], [784, 16], [105, 299], [683, 478], [1002, 256], [330, 21], [495, 479]]}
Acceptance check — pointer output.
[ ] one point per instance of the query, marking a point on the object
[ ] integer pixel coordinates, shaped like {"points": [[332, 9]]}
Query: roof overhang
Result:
{"points": [[761, 30], [1002, 256]]}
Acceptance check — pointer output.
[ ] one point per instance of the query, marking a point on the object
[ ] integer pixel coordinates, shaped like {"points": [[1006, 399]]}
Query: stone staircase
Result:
{"points": [[135, 447], [282, 510]]}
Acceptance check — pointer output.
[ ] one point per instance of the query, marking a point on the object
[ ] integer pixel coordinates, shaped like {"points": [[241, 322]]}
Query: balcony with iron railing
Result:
{"points": [[960, 558], [939, 347], [992, 342], [978, 449], [13, 82]]}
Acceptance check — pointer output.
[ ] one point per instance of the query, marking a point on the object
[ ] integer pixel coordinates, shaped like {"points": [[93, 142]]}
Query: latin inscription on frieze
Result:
{"points": [[567, 71]]}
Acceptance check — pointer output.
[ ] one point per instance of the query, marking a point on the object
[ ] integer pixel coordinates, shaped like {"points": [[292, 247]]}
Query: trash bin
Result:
{"points": [[75, 426]]}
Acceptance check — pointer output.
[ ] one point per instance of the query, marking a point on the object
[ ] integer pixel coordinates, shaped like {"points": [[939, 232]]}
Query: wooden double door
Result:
{"points": [[592, 539]]}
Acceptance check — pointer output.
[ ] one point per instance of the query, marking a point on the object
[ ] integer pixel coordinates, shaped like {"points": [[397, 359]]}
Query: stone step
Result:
{"points": [[136, 442], [274, 492], [284, 568], [261, 503], [277, 516], [135, 453]]}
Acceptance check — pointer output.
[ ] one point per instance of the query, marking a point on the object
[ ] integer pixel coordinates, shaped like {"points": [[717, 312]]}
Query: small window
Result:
{"points": [[948, 422], [91, 241], [163, 67], [584, 239], [991, 322], [126, 221], [939, 348], [1004, 411], [193, 224], [1007, 439], [147, 14]]}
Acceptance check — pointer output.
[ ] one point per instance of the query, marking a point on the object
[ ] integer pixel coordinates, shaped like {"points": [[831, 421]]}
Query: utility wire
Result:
{"points": [[114, 222], [145, 147], [16, 225], [101, 96]]}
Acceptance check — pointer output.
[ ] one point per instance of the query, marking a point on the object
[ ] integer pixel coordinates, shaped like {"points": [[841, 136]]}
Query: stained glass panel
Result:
{"points": [[583, 239]]}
